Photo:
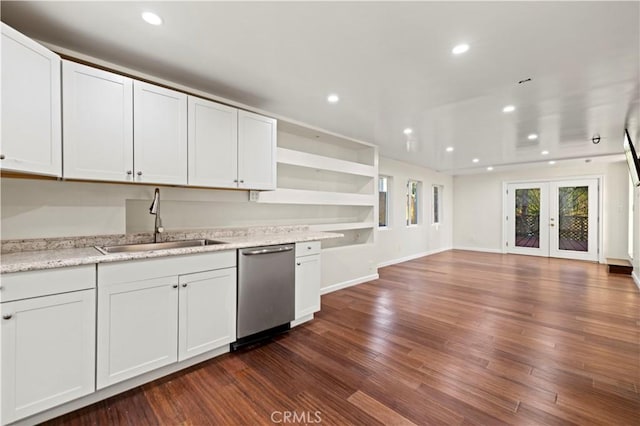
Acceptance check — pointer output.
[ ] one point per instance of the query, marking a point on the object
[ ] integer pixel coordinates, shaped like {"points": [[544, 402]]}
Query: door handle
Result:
{"points": [[267, 250]]}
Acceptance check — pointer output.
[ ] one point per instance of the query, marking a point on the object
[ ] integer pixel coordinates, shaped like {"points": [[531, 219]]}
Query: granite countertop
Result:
{"points": [[20, 261]]}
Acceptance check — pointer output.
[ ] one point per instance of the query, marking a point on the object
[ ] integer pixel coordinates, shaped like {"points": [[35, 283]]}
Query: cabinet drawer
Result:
{"points": [[304, 249], [24, 285], [135, 270]]}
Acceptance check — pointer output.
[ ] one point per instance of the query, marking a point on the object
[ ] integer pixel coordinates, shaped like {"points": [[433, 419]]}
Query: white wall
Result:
{"points": [[399, 242], [43, 208], [636, 236], [478, 212]]}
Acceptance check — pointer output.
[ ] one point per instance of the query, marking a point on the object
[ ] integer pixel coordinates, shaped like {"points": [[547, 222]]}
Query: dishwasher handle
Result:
{"points": [[267, 250]]}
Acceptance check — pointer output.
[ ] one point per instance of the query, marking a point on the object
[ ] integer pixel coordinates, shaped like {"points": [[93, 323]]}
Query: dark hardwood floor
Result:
{"points": [[454, 338]]}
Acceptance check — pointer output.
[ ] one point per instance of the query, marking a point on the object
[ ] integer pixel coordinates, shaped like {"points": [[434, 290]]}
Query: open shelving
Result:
{"points": [[329, 227], [322, 169], [303, 196], [304, 159]]}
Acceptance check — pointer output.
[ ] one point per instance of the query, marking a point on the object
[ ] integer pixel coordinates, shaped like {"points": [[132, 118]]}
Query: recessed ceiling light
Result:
{"points": [[152, 18], [449, 149], [509, 108], [532, 137], [489, 168], [552, 162], [475, 160], [407, 131], [545, 152], [459, 49], [333, 98]]}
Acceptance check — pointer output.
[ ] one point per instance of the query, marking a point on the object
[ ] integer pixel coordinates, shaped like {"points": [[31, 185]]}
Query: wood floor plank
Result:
{"points": [[380, 411], [457, 338]]}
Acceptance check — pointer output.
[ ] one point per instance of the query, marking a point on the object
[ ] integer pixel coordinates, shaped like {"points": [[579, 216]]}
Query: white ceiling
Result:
{"points": [[392, 66]]}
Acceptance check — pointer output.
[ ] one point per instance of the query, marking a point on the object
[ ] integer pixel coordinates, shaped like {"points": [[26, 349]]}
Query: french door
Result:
{"points": [[556, 219]]}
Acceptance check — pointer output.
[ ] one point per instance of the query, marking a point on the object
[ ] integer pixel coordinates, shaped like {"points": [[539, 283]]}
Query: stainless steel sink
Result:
{"points": [[128, 248]]}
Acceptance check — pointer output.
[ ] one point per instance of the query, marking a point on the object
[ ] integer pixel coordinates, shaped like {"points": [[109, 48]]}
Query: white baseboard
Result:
{"points": [[411, 257], [301, 320], [636, 277], [350, 283], [481, 249]]}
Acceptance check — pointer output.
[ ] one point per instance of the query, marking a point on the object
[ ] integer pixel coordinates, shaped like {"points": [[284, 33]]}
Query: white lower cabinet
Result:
{"points": [[207, 312], [137, 328], [48, 343], [307, 279], [152, 313]]}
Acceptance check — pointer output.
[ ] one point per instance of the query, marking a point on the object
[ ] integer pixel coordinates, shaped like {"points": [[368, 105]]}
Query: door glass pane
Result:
{"points": [[527, 215], [573, 218]]}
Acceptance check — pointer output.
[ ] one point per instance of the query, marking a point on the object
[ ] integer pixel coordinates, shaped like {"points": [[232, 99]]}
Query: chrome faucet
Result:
{"points": [[155, 209]]}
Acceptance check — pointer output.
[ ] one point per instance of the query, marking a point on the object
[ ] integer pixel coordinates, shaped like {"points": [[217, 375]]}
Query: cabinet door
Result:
{"points": [[207, 313], [97, 124], [213, 144], [307, 285], [160, 134], [257, 137], [137, 328], [48, 352], [31, 137]]}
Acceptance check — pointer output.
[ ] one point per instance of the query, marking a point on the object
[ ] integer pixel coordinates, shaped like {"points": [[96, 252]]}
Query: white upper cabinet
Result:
{"points": [[213, 144], [124, 130], [31, 136], [257, 136], [160, 134], [118, 129], [98, 124]]}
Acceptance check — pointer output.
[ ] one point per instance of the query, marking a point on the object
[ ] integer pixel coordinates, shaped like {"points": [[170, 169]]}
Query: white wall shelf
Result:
{"points": [[328, 227], [304, 159], [302, 196], [331, 174], [352, 237]]}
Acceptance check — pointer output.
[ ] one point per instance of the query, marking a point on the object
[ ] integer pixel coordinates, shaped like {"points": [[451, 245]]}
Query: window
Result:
{"points": [[413, 190], [383, 201], [437, 204]]}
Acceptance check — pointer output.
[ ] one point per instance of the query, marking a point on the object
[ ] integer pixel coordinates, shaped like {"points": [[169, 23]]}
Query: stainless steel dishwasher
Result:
{"points": [[266, 292]]}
